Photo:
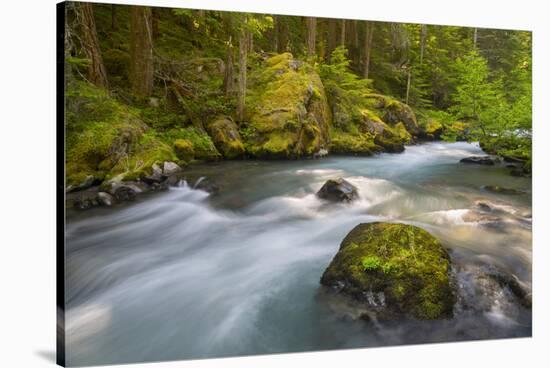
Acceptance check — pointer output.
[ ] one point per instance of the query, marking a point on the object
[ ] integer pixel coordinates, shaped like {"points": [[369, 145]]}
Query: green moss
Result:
{"points": [[100, 132], [359, 144], [138, 162], [203, 147], [404, 262], [184, 149], [371, 263], [226, 137], [433, 127], [287, 110]]}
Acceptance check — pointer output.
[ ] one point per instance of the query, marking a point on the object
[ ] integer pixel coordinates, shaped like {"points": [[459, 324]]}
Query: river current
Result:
{"points": [[185, 274]]}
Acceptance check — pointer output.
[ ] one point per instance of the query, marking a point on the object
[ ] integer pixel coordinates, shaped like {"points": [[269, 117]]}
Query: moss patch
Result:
{"points": [[100, 132], [404, 262], [184, 149], [226, 137]]}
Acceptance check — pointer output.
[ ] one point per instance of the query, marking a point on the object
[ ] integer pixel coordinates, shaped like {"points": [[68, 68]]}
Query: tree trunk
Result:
{"points": [[475, 38], [331, 36], [282, 35], [408, 85], [353, 44], [96, 70], [343, 33], [113, 18], [141, 51], [311, 23], [369, 32], [243, 43], [423, 35], [228, 74]]}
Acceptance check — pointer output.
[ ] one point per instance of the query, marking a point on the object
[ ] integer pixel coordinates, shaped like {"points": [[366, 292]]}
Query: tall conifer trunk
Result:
{"points": [[96, 69], [369, 32], [243, 44], [141, 51], [311, 24]]}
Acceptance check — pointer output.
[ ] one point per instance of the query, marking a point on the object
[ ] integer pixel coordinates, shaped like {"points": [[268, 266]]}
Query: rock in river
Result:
{"points": [[338, 190], [404, 265], [502, 190], [105, 199], [170, 168], [479, 160]]}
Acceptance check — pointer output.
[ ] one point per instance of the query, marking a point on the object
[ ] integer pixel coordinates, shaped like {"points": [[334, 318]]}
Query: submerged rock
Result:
{"points": [[338, 190], [394, 269], [105, 199], [502, 190], [84, 199], [484, 206], [487, 288], [479, 160], [207, 185]]}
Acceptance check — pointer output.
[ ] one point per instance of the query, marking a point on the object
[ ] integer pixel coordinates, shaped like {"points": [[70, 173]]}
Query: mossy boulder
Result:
{"points": [[403, 265], [225, 135], [287, 110], [100, 132], [184, 149], [139, 163], [106, 139], [367, 134], [393, 112], [433, 129], [356, 144]]}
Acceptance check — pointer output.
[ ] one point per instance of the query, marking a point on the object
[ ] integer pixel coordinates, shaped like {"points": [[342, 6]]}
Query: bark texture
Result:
{"points": [[141, 51]]}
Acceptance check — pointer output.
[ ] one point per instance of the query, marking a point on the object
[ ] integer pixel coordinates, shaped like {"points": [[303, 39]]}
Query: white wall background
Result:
{"points": [[27, 181]]}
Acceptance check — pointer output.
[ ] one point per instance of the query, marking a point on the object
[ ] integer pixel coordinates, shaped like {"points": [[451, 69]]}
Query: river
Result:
{"points": [[183, 274]]}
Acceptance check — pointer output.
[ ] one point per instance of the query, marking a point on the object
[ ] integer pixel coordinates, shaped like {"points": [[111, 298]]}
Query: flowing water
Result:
{"points": [[183, 274]]}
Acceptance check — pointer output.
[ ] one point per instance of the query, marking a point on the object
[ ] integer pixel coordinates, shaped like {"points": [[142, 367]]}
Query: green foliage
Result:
{"points": [[474, 93], [337, 75]]}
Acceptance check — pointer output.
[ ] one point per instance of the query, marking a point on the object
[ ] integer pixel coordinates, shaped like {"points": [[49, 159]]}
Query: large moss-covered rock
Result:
{"points": [[287, 110], [393, 112], [225, 135], [356, 144], [431, 129], [358, 126], [405, 267], [106, 138], [367, 134]]}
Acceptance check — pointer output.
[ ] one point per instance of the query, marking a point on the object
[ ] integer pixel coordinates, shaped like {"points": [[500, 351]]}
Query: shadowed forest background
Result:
{"points": [[147, 84]]}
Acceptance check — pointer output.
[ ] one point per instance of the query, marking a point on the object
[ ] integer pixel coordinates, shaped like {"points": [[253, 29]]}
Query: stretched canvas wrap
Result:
{"points": [[235, 184]]}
